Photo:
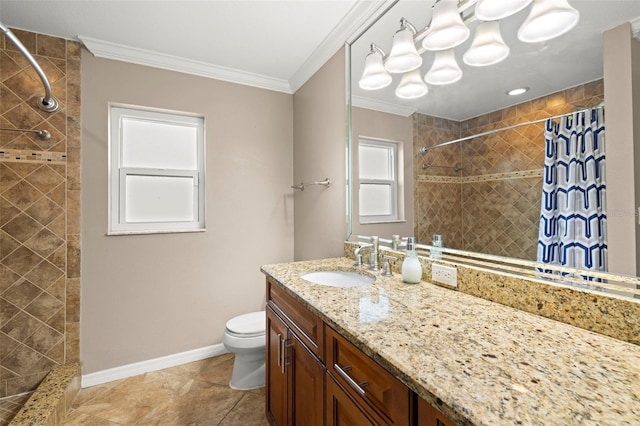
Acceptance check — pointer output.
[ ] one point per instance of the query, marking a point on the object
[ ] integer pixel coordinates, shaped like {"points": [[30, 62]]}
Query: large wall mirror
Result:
{"points": [[483, 192]]}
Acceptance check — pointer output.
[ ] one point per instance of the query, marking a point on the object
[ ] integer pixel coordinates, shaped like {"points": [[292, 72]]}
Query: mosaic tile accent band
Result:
{"points": [[33, 156]]}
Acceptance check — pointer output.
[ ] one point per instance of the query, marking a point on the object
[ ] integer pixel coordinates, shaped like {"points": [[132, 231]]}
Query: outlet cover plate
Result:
{"points": [[444, 274]]}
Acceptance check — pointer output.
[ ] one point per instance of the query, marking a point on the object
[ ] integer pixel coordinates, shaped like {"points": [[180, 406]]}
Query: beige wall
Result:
{"points": [[622, 91], [396, 128], [320, 152], [147, 296], [39, 213]]}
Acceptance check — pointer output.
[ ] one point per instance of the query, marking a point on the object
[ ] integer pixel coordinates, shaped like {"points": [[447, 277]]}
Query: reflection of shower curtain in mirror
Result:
{"points": [[573, 216]]}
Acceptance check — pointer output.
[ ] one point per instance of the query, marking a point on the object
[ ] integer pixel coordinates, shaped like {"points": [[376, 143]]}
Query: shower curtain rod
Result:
{"points": [[47, 103], [424, 149]]}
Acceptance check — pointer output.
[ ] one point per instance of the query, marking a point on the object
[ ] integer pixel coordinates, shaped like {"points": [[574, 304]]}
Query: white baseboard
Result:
{"points": [[154, 364]]}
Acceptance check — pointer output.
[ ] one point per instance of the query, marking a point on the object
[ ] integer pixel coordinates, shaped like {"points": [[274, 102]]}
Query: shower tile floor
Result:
{"points": [[194, 394]]}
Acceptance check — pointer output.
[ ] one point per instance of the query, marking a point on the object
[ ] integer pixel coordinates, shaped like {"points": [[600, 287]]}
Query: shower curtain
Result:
{"points": [[573, 216]]}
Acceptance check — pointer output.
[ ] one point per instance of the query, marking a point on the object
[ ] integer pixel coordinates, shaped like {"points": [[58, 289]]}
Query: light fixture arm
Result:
{"points": [[406, 24], [375, 48]]}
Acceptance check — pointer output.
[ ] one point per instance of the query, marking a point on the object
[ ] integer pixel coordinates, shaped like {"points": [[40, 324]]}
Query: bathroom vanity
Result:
{"points": [[393, 353]]}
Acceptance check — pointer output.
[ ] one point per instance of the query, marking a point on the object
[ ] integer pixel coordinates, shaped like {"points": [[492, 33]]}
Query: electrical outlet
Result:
{"points": [[444, 274]]}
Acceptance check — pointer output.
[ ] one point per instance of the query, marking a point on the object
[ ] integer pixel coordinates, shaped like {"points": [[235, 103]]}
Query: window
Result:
{"points": [[378, 172], [157, 173]]}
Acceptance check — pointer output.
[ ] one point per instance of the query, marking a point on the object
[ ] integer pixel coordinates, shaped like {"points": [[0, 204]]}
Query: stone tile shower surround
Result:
{"points": [[493, 204], [39, 213]]}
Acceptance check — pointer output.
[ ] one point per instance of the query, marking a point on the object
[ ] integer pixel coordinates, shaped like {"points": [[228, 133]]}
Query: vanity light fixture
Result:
{"points": [[445, 69], [404, 56], [411, 86], [374, 76], [488, 47], [493, 10], [447, 30], [547, 19], [518, 91]]}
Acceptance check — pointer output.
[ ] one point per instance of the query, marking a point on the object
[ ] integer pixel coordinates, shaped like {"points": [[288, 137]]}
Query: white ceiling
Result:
{"points": [[266, 43], [279, 45]]}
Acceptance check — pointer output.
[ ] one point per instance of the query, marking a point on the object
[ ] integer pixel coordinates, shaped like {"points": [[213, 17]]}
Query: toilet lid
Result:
{"points": [[252, 323]]}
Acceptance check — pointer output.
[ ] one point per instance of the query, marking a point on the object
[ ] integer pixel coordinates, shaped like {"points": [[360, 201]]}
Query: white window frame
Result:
{"points": [[118, 173], [392, 183]]}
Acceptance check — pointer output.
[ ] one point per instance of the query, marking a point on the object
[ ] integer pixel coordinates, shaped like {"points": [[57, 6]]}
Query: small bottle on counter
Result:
{"points": [[436, 247], [411, 267]]}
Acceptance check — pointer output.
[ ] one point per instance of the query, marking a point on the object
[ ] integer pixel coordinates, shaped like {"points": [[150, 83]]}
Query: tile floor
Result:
{"points": [[194, 394]]}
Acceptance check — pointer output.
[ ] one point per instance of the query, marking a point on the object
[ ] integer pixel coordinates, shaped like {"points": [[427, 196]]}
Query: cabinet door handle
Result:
{"points": [[279, 349], [343, 372], [283, 355]]}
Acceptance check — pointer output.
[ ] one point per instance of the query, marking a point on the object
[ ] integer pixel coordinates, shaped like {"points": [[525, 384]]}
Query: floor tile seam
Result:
{"points": [[196, 377], [232, 408], [92, 415]]}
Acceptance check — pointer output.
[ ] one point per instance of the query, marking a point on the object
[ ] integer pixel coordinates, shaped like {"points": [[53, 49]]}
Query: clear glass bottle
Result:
{"points": [[436, 247], [411, 267]]}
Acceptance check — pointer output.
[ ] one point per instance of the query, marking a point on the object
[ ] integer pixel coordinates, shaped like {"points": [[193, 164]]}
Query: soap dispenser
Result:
{"points": [[411, 267]]}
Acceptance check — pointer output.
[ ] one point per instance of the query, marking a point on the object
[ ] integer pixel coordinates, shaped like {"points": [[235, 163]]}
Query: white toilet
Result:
{"points": [[245, 336]]}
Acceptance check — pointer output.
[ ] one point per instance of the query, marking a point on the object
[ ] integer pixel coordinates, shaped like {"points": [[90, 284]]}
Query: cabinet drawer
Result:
{"points": [[305, 324], [366, 381], [342, 409]]}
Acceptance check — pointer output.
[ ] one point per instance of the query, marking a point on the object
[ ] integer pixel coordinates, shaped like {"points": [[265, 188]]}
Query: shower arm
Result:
{"points": [[46, 103]]}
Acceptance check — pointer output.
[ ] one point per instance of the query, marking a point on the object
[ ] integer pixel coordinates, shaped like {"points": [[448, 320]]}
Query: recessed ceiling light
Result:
{"points": [[519, 91]]}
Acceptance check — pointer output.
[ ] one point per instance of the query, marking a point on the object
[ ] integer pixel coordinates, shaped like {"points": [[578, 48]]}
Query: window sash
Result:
{"points": [[144, 172]]}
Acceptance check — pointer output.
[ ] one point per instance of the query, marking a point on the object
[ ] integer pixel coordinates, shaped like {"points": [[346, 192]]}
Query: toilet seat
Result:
{"points": [[249, 325]]}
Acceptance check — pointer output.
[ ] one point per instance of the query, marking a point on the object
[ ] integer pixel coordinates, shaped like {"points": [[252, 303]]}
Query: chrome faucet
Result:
{"points": [[386, 265], [357, 253], [373, 254]]}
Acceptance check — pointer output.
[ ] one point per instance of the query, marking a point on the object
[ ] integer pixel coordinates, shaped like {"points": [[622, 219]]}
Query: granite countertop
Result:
{"points": [[489, 364]]}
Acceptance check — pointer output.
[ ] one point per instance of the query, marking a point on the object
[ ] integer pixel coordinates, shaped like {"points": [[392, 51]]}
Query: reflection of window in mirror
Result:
{"points": [[379, 168]]}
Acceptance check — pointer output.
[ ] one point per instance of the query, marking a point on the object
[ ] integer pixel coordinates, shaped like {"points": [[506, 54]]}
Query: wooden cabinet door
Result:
{"points": [[428, 415], [342, 410], [307, 384], [276, 380]]}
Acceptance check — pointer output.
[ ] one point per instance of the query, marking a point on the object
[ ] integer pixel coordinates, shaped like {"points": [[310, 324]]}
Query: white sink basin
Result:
{"points": [[338, 278]]}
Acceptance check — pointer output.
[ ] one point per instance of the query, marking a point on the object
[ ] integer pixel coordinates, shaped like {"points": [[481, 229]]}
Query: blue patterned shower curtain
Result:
{"points": [[573, 216]]}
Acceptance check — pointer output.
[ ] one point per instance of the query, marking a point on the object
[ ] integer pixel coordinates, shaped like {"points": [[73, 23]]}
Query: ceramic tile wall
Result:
{"points": [[39, 213], [437, 204], [492, 204]]}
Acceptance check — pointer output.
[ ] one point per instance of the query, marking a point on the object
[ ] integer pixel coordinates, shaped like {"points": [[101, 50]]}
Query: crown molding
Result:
{"points": [[635, 28], [118, 52], [361, 14], [376, 105]]}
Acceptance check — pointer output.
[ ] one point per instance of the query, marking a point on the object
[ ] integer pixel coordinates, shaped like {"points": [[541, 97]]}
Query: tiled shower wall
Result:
{"points": [[39, 213], [492, 204]]}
